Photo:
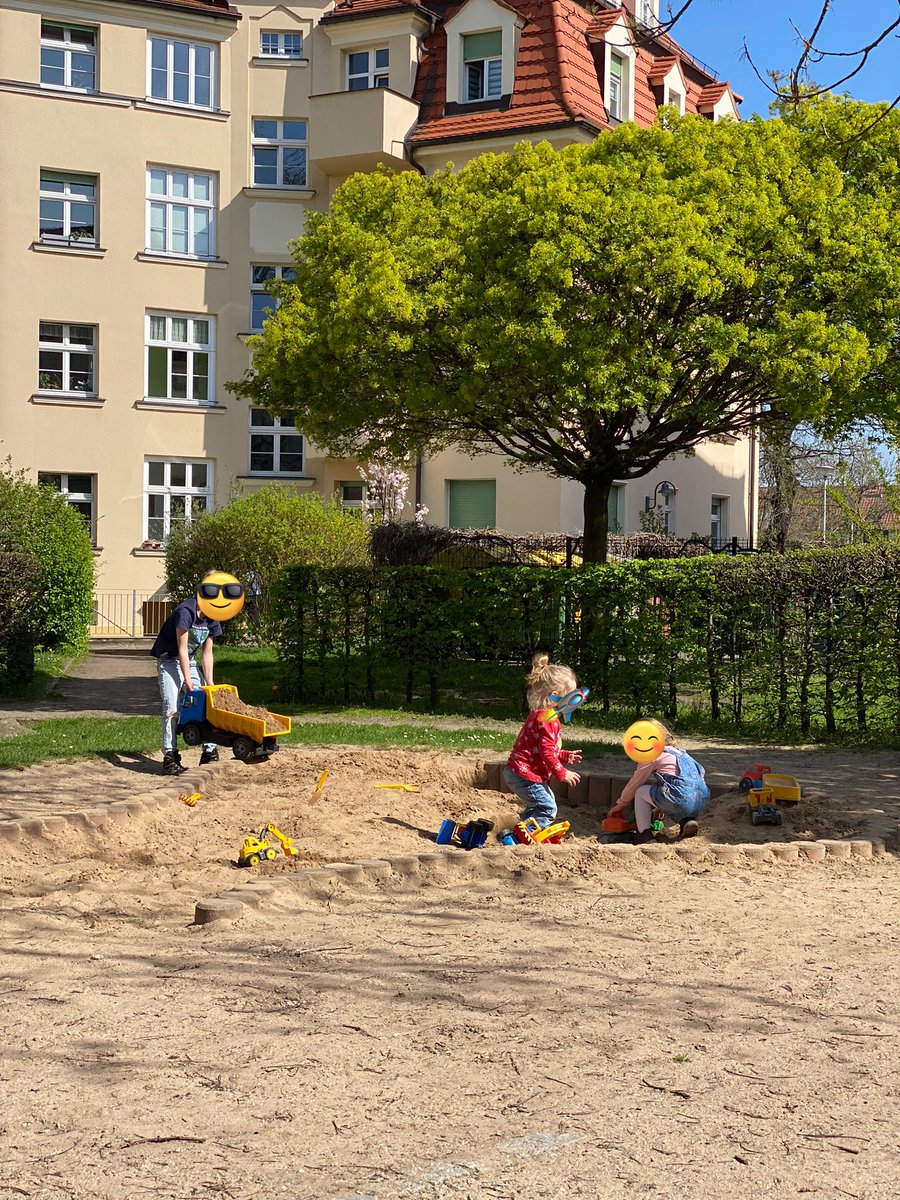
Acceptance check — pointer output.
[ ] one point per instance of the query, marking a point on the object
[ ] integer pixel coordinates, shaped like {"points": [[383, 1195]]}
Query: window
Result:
{"points": [[276, 448], [353, 495], [482, 65], [180, 357], [68, 208], [614, 506], [472, 503], [279, 153], [616, 83], [367, 69], [182, 72], [78, 491], [718, 524], [68, 56], [280, 45], [181, 212], [647, 12], [675, 98], [66, 358], [176, 490], [262, 302]]}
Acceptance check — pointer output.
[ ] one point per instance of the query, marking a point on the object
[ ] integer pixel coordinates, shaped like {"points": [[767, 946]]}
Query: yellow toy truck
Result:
{"points": [[201, 720], [257, 849]]}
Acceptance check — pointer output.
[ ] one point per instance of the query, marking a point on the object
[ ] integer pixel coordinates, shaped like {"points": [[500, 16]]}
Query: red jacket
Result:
{"points": [[537, 753]]}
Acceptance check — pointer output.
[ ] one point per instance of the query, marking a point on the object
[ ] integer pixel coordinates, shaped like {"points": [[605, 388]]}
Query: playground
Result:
{"points": [[557, 1026]]}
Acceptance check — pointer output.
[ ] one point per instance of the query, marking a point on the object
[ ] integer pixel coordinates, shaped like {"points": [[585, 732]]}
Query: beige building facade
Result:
{"points": [[158, 157]]}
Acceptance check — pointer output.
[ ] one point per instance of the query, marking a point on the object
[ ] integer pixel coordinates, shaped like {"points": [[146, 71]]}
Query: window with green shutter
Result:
{"points": [[472, 503], [483, 63]]}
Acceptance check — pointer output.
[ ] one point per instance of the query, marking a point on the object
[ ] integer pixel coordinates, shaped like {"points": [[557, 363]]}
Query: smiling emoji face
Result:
{"points": [[644, 741], [220, 597]]}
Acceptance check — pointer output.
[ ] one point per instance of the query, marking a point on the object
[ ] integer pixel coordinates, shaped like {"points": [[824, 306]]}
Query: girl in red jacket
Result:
{"points": [[537, 755]]}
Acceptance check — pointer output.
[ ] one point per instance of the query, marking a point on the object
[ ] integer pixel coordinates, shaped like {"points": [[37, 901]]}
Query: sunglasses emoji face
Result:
{"points": [[220, 597], [644, 741]]}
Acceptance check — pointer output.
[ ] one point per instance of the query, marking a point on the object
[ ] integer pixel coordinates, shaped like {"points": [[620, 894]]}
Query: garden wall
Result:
{"points": [[808, 641]]}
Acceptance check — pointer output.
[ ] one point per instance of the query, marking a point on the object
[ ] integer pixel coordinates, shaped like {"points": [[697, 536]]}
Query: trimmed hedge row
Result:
{"points": [[20, 576], [808, 641]]}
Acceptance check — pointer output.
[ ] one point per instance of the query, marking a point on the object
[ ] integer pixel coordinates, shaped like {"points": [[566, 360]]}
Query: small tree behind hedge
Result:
{"points": [[261, 533], [37, 521]]}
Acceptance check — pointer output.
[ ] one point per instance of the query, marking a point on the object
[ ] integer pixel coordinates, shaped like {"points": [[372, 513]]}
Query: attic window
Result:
{"points": [[482, 65], [614, 96]]}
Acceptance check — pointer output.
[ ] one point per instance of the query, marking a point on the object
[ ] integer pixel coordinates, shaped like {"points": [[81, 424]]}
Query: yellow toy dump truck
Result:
{"points": [[207, 715]]}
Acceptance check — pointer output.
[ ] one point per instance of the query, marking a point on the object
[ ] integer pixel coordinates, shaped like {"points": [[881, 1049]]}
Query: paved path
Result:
{"points": [[116, 679]]}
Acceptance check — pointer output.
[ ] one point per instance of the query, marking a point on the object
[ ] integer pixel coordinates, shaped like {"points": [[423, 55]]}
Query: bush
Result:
{"points": [[261, 533], [37, 521], [806, 642], [20, 577]]}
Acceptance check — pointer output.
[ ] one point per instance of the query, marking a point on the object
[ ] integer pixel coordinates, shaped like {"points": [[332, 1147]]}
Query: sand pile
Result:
{"points": [[231, 702]]}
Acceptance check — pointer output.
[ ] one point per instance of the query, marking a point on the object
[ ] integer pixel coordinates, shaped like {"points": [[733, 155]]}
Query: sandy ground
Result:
{"points": [[560, 1028]]}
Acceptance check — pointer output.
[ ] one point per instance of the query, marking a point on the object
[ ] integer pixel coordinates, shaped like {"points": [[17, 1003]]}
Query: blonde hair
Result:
{"points": [[668, 735], [545, 678]]}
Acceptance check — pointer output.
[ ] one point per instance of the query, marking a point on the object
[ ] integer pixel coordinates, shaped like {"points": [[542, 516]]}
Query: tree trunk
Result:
{"points": [[596, 520], [781, 474]]}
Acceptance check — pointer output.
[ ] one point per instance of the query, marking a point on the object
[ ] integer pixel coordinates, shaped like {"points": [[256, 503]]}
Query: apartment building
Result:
{"points": [[158, 158]]}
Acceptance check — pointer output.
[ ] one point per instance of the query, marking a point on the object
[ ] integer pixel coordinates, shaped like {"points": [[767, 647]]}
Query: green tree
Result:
{"points": [[37, 521], [592, 311], [259, 533]]}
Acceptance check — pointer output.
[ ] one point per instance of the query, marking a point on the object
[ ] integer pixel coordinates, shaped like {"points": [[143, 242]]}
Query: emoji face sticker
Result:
{"points": [[564, 706], [220, 597], [644, 741]]}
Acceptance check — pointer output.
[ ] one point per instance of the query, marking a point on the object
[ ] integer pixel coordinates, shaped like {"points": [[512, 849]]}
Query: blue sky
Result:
{"points": [[714, 31]]}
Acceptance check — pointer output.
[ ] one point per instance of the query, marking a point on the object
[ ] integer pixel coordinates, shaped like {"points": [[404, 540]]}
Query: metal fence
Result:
{"points": [[130, 614]]}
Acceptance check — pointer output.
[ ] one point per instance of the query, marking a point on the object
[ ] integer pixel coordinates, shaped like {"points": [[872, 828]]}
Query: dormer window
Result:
{"points": [[647, 12], [614, 92], [280, 45], [676, 99], [482, 66], [368, 69]]}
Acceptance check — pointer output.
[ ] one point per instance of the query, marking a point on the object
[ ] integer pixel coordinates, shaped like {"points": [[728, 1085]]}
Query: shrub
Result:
{"points": [[261, 533], [20, 577], [37, 521]]}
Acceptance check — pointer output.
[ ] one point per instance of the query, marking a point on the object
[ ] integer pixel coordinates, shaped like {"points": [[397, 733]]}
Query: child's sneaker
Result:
{"points": [[688, 829], [641, 839], [172, 765]]}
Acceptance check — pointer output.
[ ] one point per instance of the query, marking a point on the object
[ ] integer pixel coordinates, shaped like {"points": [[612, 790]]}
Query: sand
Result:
{"points": [[555, 1029]]}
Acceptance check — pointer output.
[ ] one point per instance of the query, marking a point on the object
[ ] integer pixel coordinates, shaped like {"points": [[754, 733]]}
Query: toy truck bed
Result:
{"points": [[785, 789], [237, 723], [201, 720]]}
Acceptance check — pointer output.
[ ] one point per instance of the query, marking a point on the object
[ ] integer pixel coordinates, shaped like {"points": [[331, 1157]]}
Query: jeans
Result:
{"points": [[169, 673], [540, 802]]}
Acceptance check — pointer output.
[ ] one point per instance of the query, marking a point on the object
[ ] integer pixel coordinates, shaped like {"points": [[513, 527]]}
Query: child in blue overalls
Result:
{"points": [[674, 783]]}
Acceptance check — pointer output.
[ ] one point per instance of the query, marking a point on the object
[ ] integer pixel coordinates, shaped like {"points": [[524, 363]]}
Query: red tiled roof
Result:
{"points": [[209, 8], [348, 10], [558, 74]]}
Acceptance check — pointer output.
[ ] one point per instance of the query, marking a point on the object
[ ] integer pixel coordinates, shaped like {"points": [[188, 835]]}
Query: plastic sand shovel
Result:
{"points": [[396, 787], [320, 785], [189, 798]]}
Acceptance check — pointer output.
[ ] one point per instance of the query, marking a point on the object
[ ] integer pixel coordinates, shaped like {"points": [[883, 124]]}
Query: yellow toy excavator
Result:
{"points": [[257, 849]]}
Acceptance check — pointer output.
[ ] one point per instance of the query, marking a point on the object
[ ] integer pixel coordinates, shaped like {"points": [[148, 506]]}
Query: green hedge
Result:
{"points": [[19, 580], [37, 521], [808, 641]]}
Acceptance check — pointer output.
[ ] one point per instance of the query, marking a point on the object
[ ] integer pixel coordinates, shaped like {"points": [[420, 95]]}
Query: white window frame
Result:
{"points": [[67, 348], [260, 287], [718, 521], [373, 76], [193, 47], [491, 71], [352, 505], [616, 87], [171, 203], [74, 499], [169, 491], [68, 49], [191, 347], [279, 143], [675, 98], [618, 44], [648, 13], [68, 198], [280, 428], [278, 38]]}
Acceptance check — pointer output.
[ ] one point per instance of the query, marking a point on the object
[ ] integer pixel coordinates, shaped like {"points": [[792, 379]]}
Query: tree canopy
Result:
{"points": [[591, 311]]}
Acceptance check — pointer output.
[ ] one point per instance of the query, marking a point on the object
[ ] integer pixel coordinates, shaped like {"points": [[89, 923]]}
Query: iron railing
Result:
{"points": [[132, 614]]}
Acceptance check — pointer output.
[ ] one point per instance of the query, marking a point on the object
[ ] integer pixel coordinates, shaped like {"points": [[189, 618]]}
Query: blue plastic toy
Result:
{"points": [[470, 837]]}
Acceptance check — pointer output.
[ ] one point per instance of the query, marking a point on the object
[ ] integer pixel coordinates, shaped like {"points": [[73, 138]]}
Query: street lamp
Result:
{"points": [[664, 489]]}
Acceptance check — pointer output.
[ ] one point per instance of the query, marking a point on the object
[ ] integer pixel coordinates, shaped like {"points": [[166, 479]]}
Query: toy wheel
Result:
{"points": [[754, 816], [270, 854], [253, 860], [243, 747], [778, 818], [745, 785], [192, 733]]}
